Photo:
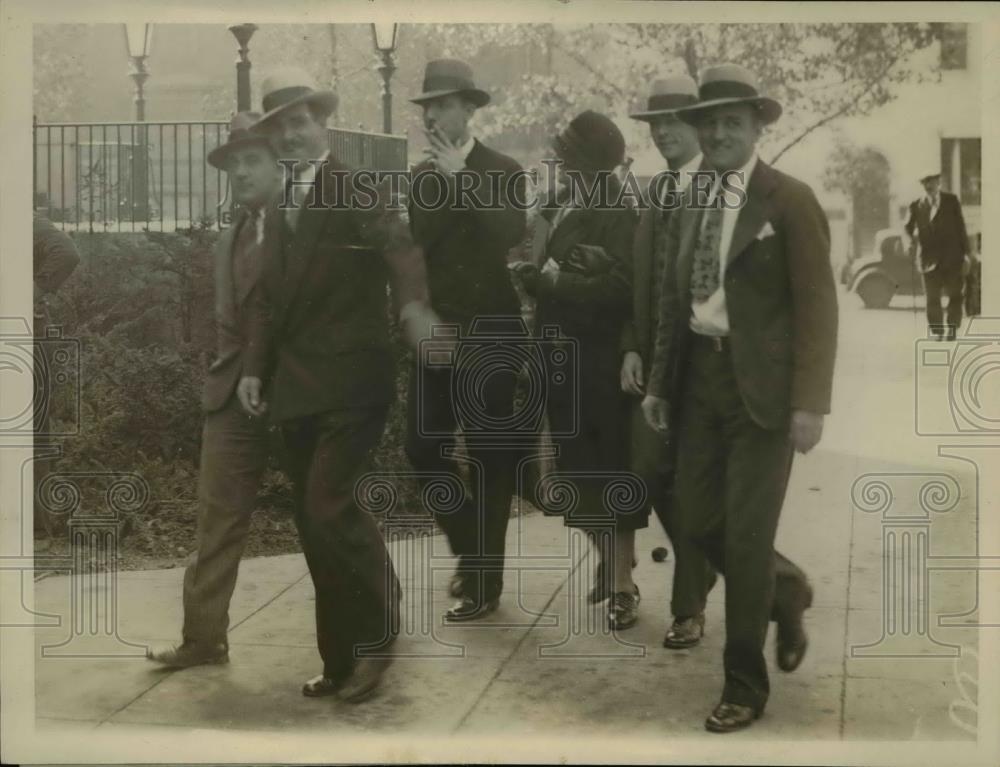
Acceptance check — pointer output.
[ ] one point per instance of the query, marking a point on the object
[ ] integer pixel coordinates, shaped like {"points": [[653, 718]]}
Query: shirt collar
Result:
{"points": [[684, 172], [309, 171], [467, 147], [748, 169]]}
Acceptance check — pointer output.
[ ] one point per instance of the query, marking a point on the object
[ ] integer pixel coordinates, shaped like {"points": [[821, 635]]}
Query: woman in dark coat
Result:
{"points": [[581, 280]]}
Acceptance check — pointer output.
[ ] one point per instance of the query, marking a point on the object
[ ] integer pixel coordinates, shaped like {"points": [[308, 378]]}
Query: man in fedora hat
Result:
{"points": [[234, 444], [651, 458], [320, 343], [466, 243], [742, 374], [935, 222]]}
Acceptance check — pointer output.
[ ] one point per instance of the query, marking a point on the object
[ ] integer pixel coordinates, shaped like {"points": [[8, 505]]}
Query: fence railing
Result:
{"points": [[154, 175]]}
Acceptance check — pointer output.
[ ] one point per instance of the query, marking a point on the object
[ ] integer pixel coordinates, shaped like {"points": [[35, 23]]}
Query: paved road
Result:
{"points": [[543, 664]]}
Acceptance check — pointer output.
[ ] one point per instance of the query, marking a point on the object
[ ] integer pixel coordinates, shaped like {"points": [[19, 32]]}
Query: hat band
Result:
{"points": [[242, 134], [283, 96], [447, 83], [727, 89], [663, 102]]}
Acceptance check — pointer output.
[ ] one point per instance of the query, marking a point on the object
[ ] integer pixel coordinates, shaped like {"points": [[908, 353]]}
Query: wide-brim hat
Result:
{"points": [[443, 77], [669, 96], [591, 140], [287, 87], [240, 136], [731, 84]]}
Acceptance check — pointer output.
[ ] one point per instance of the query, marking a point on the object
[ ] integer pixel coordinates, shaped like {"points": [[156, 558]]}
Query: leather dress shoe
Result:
{"points": [[686, 632], [321, 686], [623, 612], [729, 717], [190, 654], [601, 589], [469, 609], [792, 640], [364, 680]]}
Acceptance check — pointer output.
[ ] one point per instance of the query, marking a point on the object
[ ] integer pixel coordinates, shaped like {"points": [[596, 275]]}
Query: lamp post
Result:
{"points": [[384, 36], [243, 33], [138, 44]]}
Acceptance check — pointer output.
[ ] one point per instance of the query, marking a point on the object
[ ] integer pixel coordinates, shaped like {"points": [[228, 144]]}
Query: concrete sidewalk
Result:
{"points": [[543, 663]]}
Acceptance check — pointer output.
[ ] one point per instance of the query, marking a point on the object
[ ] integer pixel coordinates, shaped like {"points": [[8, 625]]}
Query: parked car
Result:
{"points": [[893, 270], [890, 271]]}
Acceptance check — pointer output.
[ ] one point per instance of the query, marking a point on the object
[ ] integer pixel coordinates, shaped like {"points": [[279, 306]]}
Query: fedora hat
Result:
{"points": [[288, 86], [930, 171], [443, 77], [240, 136], [669, 96], [731, 84], [591, 140]]}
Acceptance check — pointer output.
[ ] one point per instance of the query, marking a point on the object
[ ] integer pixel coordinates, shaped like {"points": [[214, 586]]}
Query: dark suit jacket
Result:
{"points": [[639, 331], [586, 305], [231, 320], [466, 250], [320, 335], [780, 296], [943, 239]]}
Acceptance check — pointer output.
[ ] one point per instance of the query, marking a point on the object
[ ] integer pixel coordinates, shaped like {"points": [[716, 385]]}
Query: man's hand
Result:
{"points": [[806, 430], [249, 393], [631, 374], [446, 156], [656, 412], [528, 274], [418, 320]]}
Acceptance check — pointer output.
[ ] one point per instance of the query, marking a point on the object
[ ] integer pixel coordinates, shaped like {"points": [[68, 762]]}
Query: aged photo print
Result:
{"points": [[486, 382]]}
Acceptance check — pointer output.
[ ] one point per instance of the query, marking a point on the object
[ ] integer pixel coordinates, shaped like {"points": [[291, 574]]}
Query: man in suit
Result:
{"points": [[470, 287], [742, 374], [234, 444], [935, 222], [319, 342], [54, 259], [651, 458]]}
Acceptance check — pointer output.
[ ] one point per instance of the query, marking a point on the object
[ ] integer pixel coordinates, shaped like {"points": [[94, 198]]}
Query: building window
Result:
{"points": [[961, 168], [954, 45]]}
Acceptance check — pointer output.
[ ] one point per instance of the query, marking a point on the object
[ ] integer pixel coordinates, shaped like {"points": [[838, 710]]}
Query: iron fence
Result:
{"points": [[154, 175]]}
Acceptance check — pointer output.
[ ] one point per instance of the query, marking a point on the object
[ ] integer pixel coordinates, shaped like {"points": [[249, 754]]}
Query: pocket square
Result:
{"points": [[765, 231]]}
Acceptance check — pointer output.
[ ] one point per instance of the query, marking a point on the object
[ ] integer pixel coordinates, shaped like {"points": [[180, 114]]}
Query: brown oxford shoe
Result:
{"points": [[321, 686], [190, 654], [623, 611], [469, 609], [365, 680], [792, 641], [729, 717], [686, 632]]}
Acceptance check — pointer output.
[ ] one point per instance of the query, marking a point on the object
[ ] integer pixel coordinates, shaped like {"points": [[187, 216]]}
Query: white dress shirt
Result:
{"points": [[300, 192], [684, 175], [710, 318]]}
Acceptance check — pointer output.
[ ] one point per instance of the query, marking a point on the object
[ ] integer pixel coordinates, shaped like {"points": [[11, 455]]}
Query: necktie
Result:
{"points": [[705, 269], [245, 252], [670, 198]]}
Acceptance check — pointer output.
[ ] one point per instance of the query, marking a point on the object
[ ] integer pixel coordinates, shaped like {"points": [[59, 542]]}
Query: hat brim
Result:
{"points": [[770, 110], [930, 175], [649, 116], [327, 100], [478, 97], [217, 157]]}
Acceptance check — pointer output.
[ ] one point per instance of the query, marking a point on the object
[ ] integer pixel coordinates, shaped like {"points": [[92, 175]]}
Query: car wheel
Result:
{"points": [[876, 290]]}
